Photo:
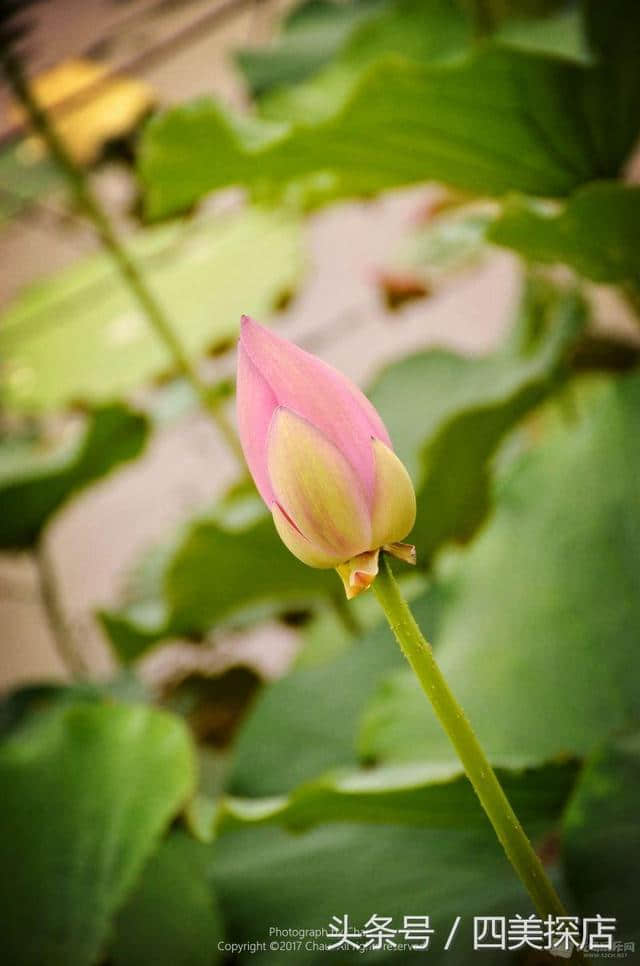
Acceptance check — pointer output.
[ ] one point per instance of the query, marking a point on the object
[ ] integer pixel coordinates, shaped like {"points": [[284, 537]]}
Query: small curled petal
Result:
{"points": [[359, 573]]}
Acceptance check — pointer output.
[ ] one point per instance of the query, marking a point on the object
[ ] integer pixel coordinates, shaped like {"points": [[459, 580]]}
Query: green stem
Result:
{"points": [[454, 721], [129, 270], [60, 630]]}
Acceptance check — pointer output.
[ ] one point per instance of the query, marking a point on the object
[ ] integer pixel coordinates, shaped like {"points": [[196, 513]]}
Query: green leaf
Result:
{"points": [[36, 480], [310, 36], [423, 31], [87, 790], [305, 723], [81, 335], [492, 122], [445, 244], [171, 918], [227, 565], [465, 407], [536, 624], [560, 33], [427, 32], [611, 95], [268, 877], [429, 795], [23, 181], [602, 836], [597, 233], [19, 704]]}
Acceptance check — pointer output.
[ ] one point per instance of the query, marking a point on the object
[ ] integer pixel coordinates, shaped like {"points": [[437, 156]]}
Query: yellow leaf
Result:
{"points": [[89, 107]]}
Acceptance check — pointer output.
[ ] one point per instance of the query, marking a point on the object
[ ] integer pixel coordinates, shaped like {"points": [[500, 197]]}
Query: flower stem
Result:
{"points": [[61, 632], [456, 724], [131, 274]]}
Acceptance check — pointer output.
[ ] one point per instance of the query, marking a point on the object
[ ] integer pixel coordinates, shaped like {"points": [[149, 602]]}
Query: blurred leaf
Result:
{"points": [[35, 481], [611, 105], [560, 33], [602, 836], [16, 706], [465, 407], [305, 723], [423, 31], [492, 122], [446, 244], [427, 32], [19, 704], [536, 624], [171, 918], [597, 233], [23, 180], [310, 36], [267, 877], [86, 792], [221, 566], [99, 106], [429, 795], [80, 335]]}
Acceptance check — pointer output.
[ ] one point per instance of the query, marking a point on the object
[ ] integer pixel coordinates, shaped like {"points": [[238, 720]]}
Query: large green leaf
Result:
{"points": [[35, 481], [81, 335], [345, 36], [222, 566], [310, 36], [424, 31], [171, 918], [306, 722], [428, 795], [427, 32], [494, 121], [537, 624], [267, 877], [465, 406], [597, 233], [611, 91], [602, 836], [87, 791], [559, 31]]}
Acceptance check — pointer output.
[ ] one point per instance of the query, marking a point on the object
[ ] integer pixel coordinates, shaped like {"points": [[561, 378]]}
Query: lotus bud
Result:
{"points": [[321, 459]]}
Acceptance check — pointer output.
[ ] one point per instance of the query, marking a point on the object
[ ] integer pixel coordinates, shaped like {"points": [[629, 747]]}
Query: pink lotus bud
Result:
{"points": [[321, 459]]}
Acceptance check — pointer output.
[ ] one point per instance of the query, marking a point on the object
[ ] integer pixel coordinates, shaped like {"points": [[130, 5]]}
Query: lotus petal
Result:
{"points": [[316, 487]]}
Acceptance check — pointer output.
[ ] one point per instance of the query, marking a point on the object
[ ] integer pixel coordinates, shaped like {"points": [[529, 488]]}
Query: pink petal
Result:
{"points": [[255, 406], [322, 395]]}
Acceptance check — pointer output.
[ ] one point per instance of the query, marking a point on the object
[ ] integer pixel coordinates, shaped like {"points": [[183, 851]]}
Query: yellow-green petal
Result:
{"points": [[299, 546], [317, 488], [394, 506]]}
